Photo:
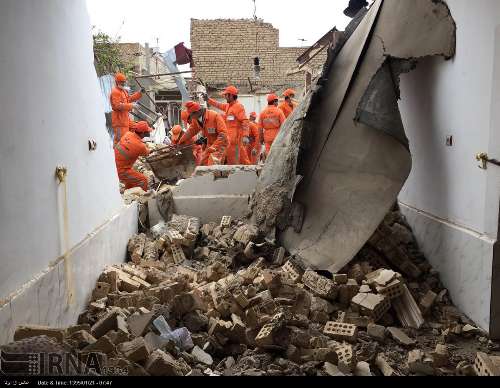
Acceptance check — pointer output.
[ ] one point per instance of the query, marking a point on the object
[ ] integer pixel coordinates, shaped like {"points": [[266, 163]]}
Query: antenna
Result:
{"points": [[118, 37], [254, 9]]}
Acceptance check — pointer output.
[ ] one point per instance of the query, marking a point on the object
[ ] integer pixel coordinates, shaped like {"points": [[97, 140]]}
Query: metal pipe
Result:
{"points": [[149, 110], [163, 74], [147, 94]]}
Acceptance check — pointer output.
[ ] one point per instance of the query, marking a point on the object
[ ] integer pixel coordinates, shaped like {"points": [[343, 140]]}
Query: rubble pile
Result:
{"points": [[218, 300]]}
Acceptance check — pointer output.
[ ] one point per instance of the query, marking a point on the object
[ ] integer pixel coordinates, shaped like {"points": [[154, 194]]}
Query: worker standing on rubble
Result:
{"points": [[212, 126], [256, 140], [122, 103], [127, 151], [288, 106], [271, 119], [237, 124]]}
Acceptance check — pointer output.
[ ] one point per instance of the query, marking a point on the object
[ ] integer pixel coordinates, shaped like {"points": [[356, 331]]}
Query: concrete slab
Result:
{"points": [[216, 191], [211, 208]]}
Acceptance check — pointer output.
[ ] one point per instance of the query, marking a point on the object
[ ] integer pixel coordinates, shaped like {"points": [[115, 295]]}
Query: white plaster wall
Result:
{"points": [[49, 108], [459, 98], [44, 301], [452, 205], [463, 259]]}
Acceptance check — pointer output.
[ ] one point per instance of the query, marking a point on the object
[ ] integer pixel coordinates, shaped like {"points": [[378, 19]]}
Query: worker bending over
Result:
{"points": [[288, 106], [237, 125], [176, 135], [212, 126], [122, 104], [127, 151], [271, 119], [256, 140]]}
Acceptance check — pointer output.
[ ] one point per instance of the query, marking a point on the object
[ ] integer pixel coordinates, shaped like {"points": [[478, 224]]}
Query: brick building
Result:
{"points": [[137, 55], [224, 52]]}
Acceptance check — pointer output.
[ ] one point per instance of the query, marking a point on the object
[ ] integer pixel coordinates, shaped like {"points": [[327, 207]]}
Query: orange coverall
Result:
{"points": [[214, 129], [253, 149], [126, 153], [287, 109], [197, 149], [237, 128], [270, 120], [121, 103]]}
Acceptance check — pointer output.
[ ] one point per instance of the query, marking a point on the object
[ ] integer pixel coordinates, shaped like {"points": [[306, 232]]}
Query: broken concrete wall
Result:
{"points": [[343, 157], [453, 205], [216, 192], [49, 108]]}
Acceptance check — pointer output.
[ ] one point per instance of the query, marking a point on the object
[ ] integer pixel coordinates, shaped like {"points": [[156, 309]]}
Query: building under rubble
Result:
{"points": [[59, 231]]}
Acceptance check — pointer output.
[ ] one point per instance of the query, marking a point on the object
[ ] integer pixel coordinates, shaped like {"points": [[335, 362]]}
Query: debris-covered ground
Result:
{"points": [[221, 300]]}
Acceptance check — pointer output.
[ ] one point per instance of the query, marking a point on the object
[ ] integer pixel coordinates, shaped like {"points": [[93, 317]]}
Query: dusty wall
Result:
{"points": [[135, 54], [453, 204], [49, 112], [224, 51]]}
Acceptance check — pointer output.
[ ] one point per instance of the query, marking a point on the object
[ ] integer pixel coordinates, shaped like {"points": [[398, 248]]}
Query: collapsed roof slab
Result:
{"points": [[343, 157]]}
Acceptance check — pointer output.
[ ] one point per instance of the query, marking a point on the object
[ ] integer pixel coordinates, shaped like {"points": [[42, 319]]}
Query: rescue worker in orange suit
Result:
{"points": [[237, 124], [176, 135], [288, 106], [185, 119], [271, 119], [211, 125], [256, 140], [127, 151], [122, 104]]}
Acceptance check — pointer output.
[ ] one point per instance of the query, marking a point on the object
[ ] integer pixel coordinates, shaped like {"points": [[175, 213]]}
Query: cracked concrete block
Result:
{"points": [[23, 332], [105, 324], [384, 366], [372, 305], [341, 331], [135, 351], [376, 332], [201, 356], [161, 364], [138, 324], [400, 337], [485, 367]]}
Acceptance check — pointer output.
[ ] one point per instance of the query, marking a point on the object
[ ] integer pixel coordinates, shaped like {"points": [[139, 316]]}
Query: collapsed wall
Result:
{"points": [[340, 162]]}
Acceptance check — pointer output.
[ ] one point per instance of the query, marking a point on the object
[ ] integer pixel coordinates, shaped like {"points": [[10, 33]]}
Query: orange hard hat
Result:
{"points": [[272, 97], [289, 93], [119, 77], [192, 107], [184, 115], [176, 130], [141, 127], [230, 90], [253, 114]]}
